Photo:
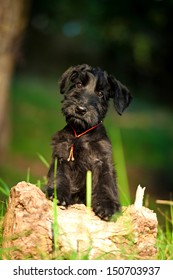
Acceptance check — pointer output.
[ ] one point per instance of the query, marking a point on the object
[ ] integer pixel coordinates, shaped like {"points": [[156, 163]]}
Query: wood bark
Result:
{"points": [[28, 230], [12, 23]]}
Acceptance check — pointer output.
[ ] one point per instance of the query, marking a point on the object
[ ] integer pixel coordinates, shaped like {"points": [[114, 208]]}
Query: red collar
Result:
{"points": [[71, 154]]}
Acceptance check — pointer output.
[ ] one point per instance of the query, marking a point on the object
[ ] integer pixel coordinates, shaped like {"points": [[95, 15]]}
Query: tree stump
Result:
{"points": [[28, 231]]}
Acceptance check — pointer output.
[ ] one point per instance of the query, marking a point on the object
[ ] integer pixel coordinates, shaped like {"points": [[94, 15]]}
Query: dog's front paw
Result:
{"points": [[63, 197], [106, 209]]}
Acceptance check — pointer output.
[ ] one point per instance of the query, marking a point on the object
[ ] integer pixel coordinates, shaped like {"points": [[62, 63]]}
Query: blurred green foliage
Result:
{"points": [[131, 39]]}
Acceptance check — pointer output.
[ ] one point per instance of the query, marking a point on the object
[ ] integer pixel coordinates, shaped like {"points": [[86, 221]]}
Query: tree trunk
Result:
{"points": [[28, 230], [12, 24]]}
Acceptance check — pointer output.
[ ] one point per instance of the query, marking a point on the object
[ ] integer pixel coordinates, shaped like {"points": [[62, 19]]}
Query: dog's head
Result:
{"points": [[87, 91]]}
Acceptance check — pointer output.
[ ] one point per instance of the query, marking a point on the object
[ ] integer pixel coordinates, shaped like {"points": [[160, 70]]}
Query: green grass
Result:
{"points": [[165, 238]]}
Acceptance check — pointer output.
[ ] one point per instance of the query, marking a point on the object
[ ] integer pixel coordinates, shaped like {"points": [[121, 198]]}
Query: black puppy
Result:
{"points": [[83, 144]]}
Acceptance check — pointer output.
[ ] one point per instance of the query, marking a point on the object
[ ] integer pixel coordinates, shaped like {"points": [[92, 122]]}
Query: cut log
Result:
{"points": [[28, 229]]}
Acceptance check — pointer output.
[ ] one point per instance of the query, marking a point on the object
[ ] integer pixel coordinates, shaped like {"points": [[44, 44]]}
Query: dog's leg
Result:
{"points": [[105, 201], [62, 185]]}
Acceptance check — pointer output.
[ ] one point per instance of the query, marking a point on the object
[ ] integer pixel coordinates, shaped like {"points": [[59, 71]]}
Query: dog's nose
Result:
{"points": [[80, 110]]}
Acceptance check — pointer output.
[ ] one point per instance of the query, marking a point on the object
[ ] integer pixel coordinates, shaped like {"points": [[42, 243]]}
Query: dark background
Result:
{"points": [[132, 39]]}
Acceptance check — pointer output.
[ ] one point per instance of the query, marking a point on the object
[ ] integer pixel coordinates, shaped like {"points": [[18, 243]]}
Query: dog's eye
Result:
{"points": [[100, 93], [78, 85]]}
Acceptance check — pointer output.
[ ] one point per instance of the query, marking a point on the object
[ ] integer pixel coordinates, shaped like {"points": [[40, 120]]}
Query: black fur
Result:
{"points": [[86, 93]]}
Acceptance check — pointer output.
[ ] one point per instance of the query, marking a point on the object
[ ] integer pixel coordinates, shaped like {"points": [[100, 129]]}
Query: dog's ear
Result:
{"points": [[120, 94], [65, 78]]}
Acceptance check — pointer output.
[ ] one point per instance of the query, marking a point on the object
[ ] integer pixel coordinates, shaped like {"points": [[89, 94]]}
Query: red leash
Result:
{"points": [[71, 154]]}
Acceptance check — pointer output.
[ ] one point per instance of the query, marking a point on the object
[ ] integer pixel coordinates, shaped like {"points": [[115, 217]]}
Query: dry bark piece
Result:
{"points": [[28, 233]]}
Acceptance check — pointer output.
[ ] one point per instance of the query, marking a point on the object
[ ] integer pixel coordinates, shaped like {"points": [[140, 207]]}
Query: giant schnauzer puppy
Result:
{"points": [[83, 143]]}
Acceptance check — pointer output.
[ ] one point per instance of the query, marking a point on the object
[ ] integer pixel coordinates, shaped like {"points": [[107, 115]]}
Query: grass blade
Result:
{"points": [[4, 189], [123, 184], [88, 189], [28, 175], [44, 161], [55, 212]]}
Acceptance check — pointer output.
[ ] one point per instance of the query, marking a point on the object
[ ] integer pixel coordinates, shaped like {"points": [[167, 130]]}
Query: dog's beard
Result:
{"points": [[76, 122], [83, 122], [89, 119]]}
